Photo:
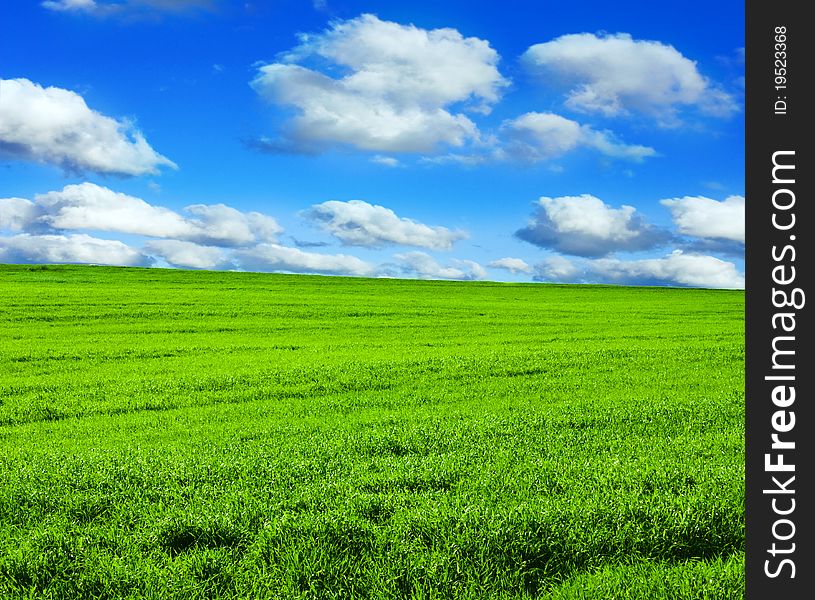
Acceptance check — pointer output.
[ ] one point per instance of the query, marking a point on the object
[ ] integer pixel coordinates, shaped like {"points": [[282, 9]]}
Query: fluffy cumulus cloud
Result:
{"points": [[77, 248], [677, 268], [189, 255], [90, 207], [586, 226], [694, 270], [424, 266], [615, 75], [702, 217], [400, 91], [16, 214], [536, 136], [56, 126], [273, 257], [558, 269], [207, 237], [513, 265], [358, 223]]}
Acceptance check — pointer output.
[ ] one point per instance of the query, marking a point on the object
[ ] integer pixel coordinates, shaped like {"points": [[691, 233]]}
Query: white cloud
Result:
{"points": [[535, 137], [273, 257], [387, 161], [694, 270], [223, 225], [616, 75], [16, 213], [70, 5], [557, 268], [55, 126], [90, 207], [130, 7], [513, 265], [703, 217], [358, 223], [189, 254], [586, 226], [472, 270], [466, 160], [209, 237], [677, 268], [400, 84], [79, 248], [423, 266], [538, 136]]}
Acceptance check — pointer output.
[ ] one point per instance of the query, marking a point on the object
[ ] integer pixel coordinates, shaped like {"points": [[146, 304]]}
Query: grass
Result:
{"points": [[178, 434]]}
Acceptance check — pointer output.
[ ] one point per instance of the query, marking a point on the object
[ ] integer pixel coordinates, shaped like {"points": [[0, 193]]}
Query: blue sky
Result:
{"points": [[518, 141]]}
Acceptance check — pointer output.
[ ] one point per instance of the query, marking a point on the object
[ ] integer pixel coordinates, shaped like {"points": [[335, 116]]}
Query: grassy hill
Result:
{"points": [[180, 434]]}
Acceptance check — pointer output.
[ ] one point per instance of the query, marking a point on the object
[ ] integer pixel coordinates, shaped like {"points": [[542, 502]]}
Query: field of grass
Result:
{"points": [[178, 434]]}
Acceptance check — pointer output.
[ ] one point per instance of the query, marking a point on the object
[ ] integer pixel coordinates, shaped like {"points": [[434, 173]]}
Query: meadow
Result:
{"points": [[181, 434]]}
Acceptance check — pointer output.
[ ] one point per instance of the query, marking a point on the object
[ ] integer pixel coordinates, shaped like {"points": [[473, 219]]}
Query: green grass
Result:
{"points": [[177, 434]]}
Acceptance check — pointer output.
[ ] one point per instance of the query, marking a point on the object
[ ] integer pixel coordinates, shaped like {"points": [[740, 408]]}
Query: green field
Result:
{"points": [[180, 434]]}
